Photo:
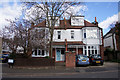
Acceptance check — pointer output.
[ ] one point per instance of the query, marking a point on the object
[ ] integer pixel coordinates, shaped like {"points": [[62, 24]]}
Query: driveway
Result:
{"points": [[108, 70]]}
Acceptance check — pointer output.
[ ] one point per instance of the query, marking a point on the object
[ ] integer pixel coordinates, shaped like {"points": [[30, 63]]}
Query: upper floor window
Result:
{"points": [[59, 34], [84, 34], [72, 34], [91, 33]]}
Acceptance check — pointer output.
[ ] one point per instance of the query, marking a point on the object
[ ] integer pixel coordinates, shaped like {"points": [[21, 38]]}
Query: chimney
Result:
{"points": [[32, 25], [65, 23], [96, 23], [95, 19]]}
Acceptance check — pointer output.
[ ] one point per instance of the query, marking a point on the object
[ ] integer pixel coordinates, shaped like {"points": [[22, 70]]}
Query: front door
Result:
{"points": [[58, 55]]}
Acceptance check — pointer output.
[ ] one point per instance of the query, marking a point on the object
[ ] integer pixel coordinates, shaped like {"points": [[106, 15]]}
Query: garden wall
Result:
{"points": [[34, 62]]}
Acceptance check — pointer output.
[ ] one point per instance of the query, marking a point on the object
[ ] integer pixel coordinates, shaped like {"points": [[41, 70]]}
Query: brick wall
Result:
{"points": [[70, 59], [34, 62]]}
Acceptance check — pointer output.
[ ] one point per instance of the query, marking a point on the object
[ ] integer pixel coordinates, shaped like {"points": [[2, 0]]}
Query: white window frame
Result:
{"points": [[97, 48], [45, 53], [58, 34]]}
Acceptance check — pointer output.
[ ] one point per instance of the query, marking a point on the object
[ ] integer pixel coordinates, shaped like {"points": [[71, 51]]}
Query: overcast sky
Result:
{"points": [[106, 12]]}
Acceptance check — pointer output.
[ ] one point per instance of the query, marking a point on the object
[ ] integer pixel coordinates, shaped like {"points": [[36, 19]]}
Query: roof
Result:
{"points": [[112, 30], [67, 24], [69, 43]]}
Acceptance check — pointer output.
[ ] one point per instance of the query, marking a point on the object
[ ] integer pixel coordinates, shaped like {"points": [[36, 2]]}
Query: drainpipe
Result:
{"points": [[65, 44]]}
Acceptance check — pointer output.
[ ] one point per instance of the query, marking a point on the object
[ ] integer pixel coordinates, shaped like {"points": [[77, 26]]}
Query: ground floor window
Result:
{"points": [[39, 53], [88, 50]]}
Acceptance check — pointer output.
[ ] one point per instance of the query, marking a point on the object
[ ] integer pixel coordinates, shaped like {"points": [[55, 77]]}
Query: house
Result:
{"points": [[111, 39], [75, 34]]}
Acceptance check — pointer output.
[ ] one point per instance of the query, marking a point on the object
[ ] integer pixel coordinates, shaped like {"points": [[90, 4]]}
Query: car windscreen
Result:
{"points": [[5, 55], [96, 56]]}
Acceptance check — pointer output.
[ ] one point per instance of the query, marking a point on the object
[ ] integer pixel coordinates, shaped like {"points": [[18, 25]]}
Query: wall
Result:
{"points": [[91, 41], [66, 34], [108, 42]]}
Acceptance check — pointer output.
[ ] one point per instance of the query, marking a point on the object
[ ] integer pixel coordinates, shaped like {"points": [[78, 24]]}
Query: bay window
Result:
{"points": [[88, 50], [90, 33], [39, 53]]}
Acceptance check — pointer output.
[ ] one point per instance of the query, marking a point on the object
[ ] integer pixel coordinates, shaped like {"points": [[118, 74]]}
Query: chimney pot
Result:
{"points": [[95, 19]]}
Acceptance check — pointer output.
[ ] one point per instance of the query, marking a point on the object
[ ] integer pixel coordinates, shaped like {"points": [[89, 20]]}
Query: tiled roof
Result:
{"points": [[67, 24]]}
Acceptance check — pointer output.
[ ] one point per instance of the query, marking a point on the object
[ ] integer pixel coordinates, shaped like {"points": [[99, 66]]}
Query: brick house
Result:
{"points": [[111, 40], [75, 34]]}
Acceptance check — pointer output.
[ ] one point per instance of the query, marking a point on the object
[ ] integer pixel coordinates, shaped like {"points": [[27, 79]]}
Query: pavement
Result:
{"points": [[108, 70]]}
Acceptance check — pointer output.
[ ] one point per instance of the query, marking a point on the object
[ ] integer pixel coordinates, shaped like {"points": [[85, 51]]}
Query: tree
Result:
{"points": [[51, 12]]}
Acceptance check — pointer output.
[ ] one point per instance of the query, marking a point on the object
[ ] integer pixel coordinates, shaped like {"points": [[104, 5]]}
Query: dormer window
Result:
{"points": [[77, 20]]}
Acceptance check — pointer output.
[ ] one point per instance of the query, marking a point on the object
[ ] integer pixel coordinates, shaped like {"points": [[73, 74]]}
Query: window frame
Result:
{"points": [[58, 34]]}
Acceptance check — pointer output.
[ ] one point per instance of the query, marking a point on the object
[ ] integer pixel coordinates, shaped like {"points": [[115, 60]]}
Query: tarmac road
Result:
{"points": [[108, 70]]}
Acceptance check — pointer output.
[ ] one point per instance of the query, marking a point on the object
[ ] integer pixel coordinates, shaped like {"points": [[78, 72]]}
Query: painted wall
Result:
{"points": [[66, 34], [108, 41], [78, 36]]}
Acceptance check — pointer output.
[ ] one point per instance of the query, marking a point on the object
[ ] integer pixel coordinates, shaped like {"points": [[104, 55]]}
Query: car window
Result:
{"points": [[82, 56], [96, 56]]}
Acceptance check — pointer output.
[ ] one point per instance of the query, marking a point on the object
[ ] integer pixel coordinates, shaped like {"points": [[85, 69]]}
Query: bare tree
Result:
{"points": [[51, 12]]}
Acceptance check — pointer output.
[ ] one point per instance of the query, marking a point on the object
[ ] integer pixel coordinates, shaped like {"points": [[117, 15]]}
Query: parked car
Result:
{"points": [[82, 60], [96, 59], [4, 58]]}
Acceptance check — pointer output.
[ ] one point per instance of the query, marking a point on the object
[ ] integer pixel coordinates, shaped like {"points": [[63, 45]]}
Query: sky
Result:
{"points": [[105, 12]]}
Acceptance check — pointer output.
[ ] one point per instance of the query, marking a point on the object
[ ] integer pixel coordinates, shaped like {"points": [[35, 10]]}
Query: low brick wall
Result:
{"points": [[34, 62]]}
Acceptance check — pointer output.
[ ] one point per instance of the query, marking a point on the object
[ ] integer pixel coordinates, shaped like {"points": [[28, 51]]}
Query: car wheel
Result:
{"points": [[102, 63]]}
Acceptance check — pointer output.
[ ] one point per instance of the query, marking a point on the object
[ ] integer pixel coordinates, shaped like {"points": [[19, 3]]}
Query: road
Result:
{"points": [[108, 70]]}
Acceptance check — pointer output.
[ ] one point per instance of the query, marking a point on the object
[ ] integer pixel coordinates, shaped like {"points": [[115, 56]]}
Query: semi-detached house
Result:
{"points": [[75, 34]]}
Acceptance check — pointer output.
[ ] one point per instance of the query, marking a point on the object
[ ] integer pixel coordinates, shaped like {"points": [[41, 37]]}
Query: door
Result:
{"points": [[58, 55]]}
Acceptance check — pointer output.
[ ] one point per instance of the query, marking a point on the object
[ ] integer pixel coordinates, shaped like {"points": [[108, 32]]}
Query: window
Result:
{"points": [[84, 35], [42, 52], [85, 52], [59, 34], [39, 53], [62, 51], [91, 33], [35, 52], [72, 34], [91, 50]]}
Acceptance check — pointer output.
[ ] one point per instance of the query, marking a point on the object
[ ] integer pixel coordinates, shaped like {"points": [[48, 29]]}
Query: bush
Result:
{"points": [[47, 57]]}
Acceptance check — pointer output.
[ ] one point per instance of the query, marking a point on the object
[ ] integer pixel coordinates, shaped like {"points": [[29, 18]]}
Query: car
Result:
{"points": [[82, 60], [96, 59], [4, 58]]}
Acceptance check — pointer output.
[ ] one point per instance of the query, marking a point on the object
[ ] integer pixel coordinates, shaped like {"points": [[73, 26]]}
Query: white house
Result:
{"points": [[75, 34]]}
